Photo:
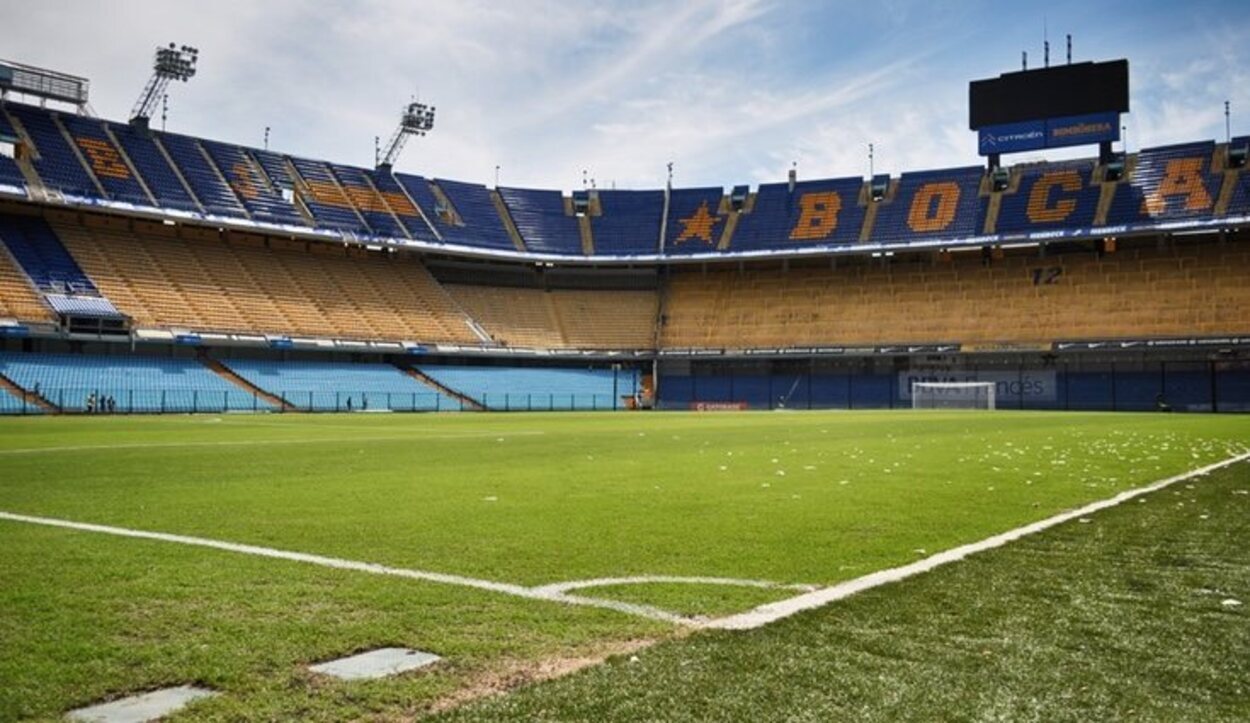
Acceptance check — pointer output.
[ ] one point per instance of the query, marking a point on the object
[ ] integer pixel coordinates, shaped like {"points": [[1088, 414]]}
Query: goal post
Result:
{"points": [[952, 395]]}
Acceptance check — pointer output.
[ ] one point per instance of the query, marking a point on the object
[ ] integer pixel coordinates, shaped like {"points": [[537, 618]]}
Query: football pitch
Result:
{"points": [[234, 551]]}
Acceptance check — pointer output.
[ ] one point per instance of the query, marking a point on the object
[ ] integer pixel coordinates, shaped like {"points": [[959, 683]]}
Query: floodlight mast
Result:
{"points": [[417, 120], [171, 63]]}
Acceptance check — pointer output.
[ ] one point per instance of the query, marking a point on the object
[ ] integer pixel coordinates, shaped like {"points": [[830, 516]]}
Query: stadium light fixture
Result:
{"points": [[417, 119], [173, 62]]}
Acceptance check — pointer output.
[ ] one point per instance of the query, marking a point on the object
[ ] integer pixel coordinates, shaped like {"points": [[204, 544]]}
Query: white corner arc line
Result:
{"points": [[644, 611], [772, 612], [562, 587]]}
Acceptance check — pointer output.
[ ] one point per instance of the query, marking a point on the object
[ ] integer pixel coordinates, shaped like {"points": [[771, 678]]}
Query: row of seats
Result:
{"points": [[1174, 182], [160, 384], [541, 220], [35, 246], [18, 298], [243, 285], [326, 386], [561, 319], [1185, 291], [136, 383], [526, 388]]}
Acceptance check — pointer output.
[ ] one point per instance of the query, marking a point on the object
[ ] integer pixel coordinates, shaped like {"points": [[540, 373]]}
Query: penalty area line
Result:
{"points": [[772, 612]]}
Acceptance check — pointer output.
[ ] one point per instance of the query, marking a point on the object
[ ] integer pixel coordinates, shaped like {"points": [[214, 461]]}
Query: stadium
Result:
{"points": [[289, 438]]}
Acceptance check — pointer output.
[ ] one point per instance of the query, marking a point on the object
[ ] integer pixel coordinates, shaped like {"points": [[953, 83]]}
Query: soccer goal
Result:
{"points": [[952, 395]]}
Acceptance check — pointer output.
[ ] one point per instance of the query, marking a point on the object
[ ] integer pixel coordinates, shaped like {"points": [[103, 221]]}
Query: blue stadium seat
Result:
{"points": [[536, 388], [409, 214], [539, 217], [152, 165], [262, 202], [42, 256], [360, 191], [7, 132], [105, 160], [1065, 198], [137, 383], [332, 386], [1239, 205], [10, 174], [778, 213], [693, 224], [482, 225], [923, 209], [629, 223], [1170, 182], [205, 179], [57, 166], [325, 201]]}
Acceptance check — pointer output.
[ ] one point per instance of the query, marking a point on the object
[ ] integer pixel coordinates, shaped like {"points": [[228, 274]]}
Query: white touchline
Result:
{"points": [[266, 442], [772, 612], [557, 592], [644, 611]]}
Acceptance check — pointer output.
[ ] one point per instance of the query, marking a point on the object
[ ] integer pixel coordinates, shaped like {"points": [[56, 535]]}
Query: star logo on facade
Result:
{"points": [[699, 226]]}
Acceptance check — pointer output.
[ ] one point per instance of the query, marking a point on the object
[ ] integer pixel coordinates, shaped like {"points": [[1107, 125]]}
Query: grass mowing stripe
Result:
{"points": [[644, 611], [772, 612]]}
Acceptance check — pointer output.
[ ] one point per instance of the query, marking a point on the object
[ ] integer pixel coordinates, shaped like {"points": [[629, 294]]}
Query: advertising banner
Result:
{"points": [[1034, 385], [1053, 133]]}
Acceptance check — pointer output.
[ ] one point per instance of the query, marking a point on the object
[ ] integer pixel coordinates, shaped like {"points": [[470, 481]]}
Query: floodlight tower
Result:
{"points": [[171, 63], [416, 120]]}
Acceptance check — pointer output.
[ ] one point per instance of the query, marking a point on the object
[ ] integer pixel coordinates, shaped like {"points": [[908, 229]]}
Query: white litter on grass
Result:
{"points": [[141, 708], [772, 612], [1231, 603], [492, 498], [380, 663]]}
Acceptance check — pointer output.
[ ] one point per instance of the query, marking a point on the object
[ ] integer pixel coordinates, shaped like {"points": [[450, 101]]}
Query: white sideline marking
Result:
{"points": [[645, 611], [264, 442], [561, 587], [772, 612]]}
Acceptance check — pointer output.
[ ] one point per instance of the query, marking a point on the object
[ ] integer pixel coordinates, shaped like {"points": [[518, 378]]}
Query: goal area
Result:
{"points": [[952, 395]]}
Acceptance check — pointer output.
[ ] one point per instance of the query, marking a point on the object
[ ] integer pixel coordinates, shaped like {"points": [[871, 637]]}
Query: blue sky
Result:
{"points": [[730, 91]]}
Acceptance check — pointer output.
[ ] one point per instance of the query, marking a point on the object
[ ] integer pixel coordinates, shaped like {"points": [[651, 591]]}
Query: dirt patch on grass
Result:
{"points": [[511, 675]]}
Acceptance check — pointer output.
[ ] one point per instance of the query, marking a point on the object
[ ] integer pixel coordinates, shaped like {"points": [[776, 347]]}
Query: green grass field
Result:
{"points": [[526, 499]]}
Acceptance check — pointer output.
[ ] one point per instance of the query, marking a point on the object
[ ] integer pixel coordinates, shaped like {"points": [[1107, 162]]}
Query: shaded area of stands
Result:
{"points": [[341, 387], [18, 298], [1184, 386], [42, 256], [532, 388], [1137, 293], [136, 383]]}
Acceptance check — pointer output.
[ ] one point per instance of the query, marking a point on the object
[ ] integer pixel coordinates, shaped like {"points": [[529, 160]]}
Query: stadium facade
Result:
{"points": [[152, 271]]}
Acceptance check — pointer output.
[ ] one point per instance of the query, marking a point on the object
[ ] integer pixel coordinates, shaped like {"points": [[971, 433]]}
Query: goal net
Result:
{"points": [[952, 395]]}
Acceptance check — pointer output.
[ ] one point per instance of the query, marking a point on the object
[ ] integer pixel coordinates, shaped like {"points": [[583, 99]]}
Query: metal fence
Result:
{"points": [[103, 400]]}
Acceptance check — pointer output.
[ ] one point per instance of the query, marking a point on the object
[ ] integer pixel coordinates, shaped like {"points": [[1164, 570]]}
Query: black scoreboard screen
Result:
{"points": [[1076, 89]]}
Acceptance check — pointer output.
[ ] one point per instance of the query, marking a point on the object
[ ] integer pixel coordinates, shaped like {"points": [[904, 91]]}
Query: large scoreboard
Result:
{"points": [[1066, 105]]}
